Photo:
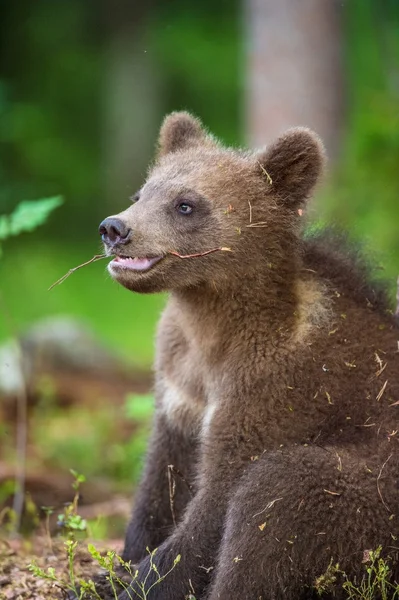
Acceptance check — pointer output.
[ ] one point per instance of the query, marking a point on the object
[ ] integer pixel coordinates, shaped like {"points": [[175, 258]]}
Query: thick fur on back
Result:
{"points": [[339, 260], [275, 446]]}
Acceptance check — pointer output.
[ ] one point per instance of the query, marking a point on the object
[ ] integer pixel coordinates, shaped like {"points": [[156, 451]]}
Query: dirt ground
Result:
{"points": [[17, 582]]}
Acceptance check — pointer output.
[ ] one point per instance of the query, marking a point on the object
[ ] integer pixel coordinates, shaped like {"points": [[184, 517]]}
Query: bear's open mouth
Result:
{"points": [[134, 263]]}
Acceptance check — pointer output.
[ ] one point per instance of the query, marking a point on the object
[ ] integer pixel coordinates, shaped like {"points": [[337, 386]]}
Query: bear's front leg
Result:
{"points": [[165, 489], [189, 554], [183, 564]]}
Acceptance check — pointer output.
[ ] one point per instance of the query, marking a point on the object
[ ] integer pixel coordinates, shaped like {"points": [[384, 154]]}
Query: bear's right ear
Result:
{"points": [[179, 131], [293, 164]]}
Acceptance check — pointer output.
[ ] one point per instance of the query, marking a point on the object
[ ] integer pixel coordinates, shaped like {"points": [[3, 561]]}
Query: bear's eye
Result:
{"points": [[135, 198], [184, 208]]}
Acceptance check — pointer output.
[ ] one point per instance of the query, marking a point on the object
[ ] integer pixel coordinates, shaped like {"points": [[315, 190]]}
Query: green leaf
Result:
{"points": [[93, 551], [79, 478], [27, 216]]}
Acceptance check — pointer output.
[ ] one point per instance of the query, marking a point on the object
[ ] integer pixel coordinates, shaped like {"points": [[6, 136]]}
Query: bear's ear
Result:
{"points": [[293, 164], [179, 131]]}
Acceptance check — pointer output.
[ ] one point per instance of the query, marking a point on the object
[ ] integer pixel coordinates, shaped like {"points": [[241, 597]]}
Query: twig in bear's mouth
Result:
{"points": [[100, 256], [200, 253], [94, 259]]}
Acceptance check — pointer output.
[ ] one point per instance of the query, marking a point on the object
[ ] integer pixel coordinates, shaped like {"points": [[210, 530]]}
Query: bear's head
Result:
{"points": [[210, 215]]}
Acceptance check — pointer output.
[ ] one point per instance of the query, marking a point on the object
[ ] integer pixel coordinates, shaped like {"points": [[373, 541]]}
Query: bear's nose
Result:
{"points": [[114, 231]]}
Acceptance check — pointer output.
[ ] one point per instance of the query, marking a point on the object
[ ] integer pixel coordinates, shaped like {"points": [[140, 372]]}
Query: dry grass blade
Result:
{"points": [[378, 483], [267, 507], [381, 392], [200, 253], [259, 224], [381, 365], [332, 493], [174, 472], [101, 256], [250, 212], [94, 259], [269, 179]]}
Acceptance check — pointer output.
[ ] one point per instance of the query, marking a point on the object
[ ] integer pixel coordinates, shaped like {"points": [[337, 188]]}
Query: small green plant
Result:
{"points": [[70, 521], [73, 584], [118, 570], [111, 558], [71, 524], [110, 561], [376, 582], [325, 582], [48, 511]]}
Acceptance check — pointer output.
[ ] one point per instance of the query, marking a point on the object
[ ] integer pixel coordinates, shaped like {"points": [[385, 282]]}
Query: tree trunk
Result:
{"points": [[294, 74]]}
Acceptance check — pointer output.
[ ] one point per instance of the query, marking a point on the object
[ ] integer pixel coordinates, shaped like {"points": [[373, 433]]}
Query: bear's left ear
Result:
{"points": [[292, 165], [179, 131]]}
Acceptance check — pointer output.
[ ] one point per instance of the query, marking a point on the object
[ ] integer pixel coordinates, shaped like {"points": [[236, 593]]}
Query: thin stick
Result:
{"points": [[172, 472], [268, 505], [331, 492], [172, 491], [250, 212], [382, 390], [62, 279], [100, 256], [176, 471], [259, 224], [269, 179], [378, 483], [200, 253]]}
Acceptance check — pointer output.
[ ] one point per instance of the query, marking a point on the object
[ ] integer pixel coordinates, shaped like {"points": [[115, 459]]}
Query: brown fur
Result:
{"points": [[277, 379]]}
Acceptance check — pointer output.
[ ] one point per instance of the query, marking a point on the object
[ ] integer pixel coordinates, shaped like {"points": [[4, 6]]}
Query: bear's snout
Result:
{"points": [[114, 231]]}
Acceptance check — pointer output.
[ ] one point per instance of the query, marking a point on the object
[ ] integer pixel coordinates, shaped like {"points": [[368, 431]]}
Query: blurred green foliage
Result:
{"points": [[79, 436], [199, 49], [364, 189], [49, 105]]}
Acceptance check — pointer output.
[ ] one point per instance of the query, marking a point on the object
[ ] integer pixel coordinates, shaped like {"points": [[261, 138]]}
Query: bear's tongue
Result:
{"points": [[135, 264]]}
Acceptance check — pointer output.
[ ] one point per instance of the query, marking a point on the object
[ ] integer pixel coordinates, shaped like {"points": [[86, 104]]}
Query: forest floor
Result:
{"points": [[86, 425], [18, 582]]}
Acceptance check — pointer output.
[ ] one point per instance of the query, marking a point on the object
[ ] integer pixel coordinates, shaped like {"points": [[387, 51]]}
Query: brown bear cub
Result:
{"points": [[275, 447]]}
